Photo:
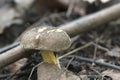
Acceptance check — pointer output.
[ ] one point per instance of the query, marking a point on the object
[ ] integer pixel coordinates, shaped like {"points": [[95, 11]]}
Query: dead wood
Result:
{"points": [[11, 56], [92, 21]]}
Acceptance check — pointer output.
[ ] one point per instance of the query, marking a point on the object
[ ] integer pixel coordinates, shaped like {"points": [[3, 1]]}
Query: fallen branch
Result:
{"points": [[92, 21], [72, 28], [6, 48], [11, 56]]}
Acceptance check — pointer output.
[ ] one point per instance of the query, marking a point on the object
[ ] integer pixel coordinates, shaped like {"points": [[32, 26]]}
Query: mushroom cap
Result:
{"points": [[45, 38]]}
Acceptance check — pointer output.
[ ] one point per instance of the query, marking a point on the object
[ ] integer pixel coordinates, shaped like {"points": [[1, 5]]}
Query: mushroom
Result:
{"points": [[52, 72], [46, 39]]}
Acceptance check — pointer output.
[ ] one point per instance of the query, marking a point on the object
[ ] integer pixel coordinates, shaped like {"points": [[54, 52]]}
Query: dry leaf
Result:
{"points": [[84, 77], [13, 14], [8, 16], [115, 75], [114, 53], [17, 65]]}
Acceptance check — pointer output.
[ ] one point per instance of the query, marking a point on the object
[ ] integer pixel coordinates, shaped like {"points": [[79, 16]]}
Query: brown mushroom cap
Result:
{"points": [[45, 38]]}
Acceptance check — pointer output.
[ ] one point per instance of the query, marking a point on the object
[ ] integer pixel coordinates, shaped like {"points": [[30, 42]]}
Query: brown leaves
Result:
{"points": [[115, 75]]}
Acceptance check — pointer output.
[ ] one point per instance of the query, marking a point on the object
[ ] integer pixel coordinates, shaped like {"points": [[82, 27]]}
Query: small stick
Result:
{"points": [[82, 47], [18, 73], [6, 48], [69, 62], [75, 50], [29, 78], [78, 58], [11, 56]]}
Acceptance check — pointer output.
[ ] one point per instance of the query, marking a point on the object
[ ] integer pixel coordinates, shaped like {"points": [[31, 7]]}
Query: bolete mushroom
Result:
{"points": [[46, 39], [52, 72]]}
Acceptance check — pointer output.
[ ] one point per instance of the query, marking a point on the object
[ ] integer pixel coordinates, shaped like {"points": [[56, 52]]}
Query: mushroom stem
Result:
{"points": [[49, 57]]}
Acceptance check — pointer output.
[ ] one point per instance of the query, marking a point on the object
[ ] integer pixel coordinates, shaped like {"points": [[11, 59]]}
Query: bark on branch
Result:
{"points": [[92, 21]]}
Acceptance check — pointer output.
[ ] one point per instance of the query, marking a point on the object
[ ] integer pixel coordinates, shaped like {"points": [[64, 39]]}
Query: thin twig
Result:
{"points": [[82, 47], [78, 58], [97, 72], [70, 8], [75, 50], [95, 53], [18, 73], [102, 48], [6, 48], [33, 70], [69, 62]]}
